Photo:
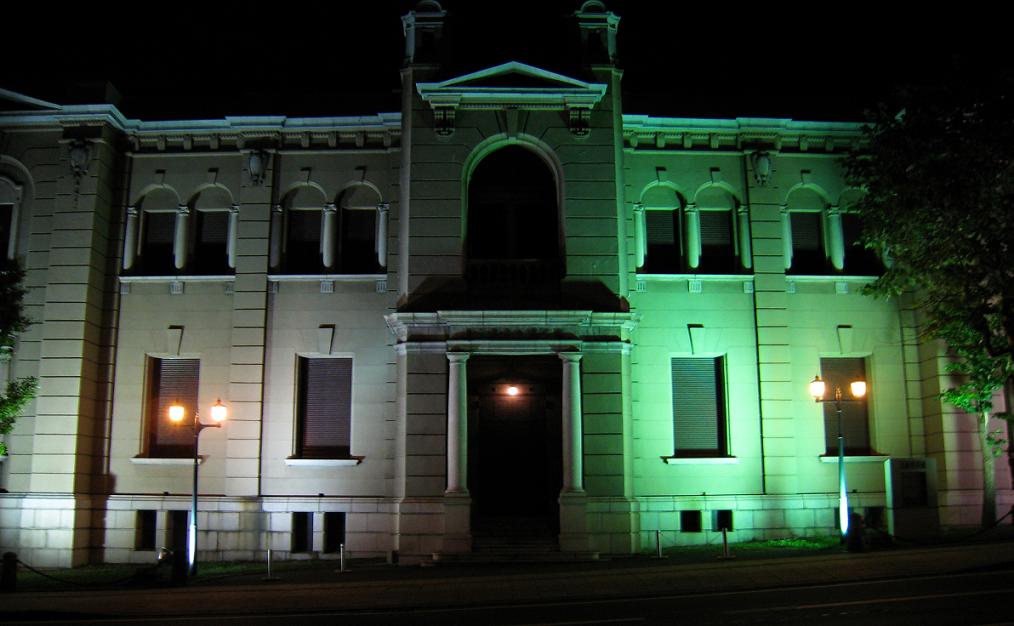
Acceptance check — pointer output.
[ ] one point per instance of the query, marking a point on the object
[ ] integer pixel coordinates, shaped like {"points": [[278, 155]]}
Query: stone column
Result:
{"points": [[640, 228], [277, 236], [381, 244], [573, 456], [130, 238], [835, 238], [180, 240], [693, 236], [743, 227], [327, 234], [786, 236], [231, 241], [457, 424]]}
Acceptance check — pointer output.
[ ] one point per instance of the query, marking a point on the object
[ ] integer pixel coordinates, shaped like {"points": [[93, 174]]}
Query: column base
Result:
{"points": [[457, 523], [574, 535]]}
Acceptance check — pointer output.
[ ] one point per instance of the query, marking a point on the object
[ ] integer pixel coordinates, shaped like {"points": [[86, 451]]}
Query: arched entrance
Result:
{"points": [[515, 463]]}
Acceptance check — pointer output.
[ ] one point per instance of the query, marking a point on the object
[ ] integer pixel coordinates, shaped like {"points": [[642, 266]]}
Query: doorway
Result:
{"points": [[515, 460]]}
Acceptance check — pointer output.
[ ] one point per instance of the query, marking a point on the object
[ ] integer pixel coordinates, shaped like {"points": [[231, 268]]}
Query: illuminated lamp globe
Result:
{"points": [[858, 388], [817, 388], [218, 411], [176, 412], [512, 391]]}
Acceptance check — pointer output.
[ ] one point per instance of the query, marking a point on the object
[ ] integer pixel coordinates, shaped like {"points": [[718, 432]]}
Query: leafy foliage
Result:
{"points": [[12, 322], [939, 204]]}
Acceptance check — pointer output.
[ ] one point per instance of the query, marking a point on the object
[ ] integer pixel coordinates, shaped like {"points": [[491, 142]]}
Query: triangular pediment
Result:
{"points": [[512, 83]]}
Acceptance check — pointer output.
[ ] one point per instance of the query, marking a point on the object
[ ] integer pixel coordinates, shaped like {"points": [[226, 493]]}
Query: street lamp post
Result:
{"points": [[177, 413], [858, 390]]}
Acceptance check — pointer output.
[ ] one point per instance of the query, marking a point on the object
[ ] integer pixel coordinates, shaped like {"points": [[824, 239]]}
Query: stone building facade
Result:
{"points": [[509, 310]]}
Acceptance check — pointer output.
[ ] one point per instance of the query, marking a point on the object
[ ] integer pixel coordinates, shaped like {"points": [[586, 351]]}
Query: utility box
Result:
{"points": [[911, 498]]}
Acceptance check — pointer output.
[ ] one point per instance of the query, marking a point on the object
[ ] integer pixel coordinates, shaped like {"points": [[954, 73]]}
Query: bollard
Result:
{"points": [[725, 545], [269, 563], [658, 544], [9, 572], [341, 557]]}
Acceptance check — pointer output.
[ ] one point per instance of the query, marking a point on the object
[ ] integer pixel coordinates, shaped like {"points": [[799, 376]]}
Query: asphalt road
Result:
{"points": [[965, 598]]}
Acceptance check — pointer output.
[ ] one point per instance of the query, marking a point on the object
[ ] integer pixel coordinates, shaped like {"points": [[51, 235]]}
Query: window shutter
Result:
{"points": [[214, 227], [173, 380], [326, 407], [6, 216], [839, 372], [716, 228], [698, 405], [805, 231], [659, 227], [160, 228]]}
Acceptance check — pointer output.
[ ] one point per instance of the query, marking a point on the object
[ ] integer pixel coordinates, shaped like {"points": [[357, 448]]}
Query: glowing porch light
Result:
{"points": [[817, 388], [176, 412], [858, 388], [218, 411], [512, 391]]}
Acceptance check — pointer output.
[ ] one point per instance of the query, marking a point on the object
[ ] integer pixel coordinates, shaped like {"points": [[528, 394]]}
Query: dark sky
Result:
{"points": [[190, 60]]}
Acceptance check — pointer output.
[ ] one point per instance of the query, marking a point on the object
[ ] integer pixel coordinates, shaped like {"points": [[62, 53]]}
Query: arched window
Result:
{"points": [[304, 220], [664, 247], [10, 201], [717, 219], [209, 237], [358, 231], [806, 234], [157, 211], [513, 233]]}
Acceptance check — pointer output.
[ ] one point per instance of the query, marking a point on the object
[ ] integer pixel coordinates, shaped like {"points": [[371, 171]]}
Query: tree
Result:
{"points": [[12, 322], [938, 178]]}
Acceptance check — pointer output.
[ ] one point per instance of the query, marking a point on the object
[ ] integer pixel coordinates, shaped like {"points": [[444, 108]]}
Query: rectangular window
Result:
{"points": [[6, 226], [170, 381], [303, 241], [334, 531], [302, 532], [808, 255], [157, 235], [664, 254], [698, 406], [210, 253], [859, 260], [324, 408], [718, 250], [838, 373], [145, 530], [358, 241], [177, 532], [690, 521]]}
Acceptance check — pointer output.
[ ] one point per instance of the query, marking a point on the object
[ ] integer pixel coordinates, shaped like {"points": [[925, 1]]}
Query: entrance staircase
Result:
{"points": [[514, 540]]}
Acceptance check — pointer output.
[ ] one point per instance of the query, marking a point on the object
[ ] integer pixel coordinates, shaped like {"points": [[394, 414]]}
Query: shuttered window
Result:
{"points": [[6, 217], [171, 381], [358, 241], [663, 243], [324, 408], [211, 243], [302, 246], [839, 372], [859, 260], [718, 252], [156, 256], [698, 406], [808, 256]]}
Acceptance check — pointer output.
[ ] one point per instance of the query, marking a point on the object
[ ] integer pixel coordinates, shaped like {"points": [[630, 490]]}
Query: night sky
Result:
{"points": [[188, 60]]}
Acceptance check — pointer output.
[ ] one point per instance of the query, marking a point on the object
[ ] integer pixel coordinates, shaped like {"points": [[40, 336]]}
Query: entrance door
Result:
{"points": [[515, 463]]}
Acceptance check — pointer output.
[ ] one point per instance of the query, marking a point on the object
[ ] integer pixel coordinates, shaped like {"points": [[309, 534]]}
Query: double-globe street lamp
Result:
{"points": [[177, 414], [858, 390]]}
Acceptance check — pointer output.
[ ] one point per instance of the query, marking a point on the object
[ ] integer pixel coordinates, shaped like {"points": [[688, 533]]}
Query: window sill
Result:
{"points": [[700, 460], [181, 278], [855, 458], [153, 460], [823, 278], [662, 278], [311, 278], [352, 460]]}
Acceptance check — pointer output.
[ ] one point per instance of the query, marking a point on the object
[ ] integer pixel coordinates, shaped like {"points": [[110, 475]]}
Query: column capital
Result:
{"points": [[330, 207], [383, 207], [638, 207], [234, 208], [458, 357], [690, 208], [183, 209], [132, 210], [278, 208], [570, 357]]}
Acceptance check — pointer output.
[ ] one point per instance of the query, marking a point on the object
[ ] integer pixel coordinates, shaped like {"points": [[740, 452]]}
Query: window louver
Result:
{"points": [[325, 409], [172, 380], [855, 416], [698, 405]]}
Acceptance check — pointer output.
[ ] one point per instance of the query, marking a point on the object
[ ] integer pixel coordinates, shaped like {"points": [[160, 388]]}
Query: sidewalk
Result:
{"points": [[403, 588]]}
